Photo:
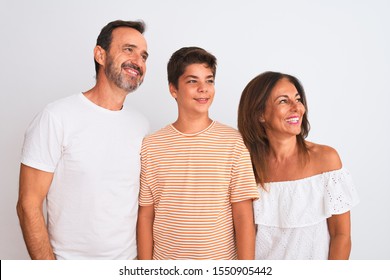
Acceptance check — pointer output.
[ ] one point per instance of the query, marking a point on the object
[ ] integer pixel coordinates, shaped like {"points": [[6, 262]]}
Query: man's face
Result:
{"points": [[125, 64]]}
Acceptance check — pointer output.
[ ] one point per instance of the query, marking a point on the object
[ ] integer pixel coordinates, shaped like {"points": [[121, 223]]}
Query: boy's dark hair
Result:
{"points": [[186, 56]]}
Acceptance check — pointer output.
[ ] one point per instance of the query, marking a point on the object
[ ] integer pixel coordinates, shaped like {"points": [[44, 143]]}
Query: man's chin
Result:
{"points": [[131, 87]]}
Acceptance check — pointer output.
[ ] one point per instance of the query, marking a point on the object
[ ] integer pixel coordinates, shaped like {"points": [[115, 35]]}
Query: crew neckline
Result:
{"points": [[193, 134], [97, 107]]}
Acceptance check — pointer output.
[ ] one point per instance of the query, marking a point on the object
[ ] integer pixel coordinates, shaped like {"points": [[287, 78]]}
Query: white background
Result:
{"points": [[338, 49]]}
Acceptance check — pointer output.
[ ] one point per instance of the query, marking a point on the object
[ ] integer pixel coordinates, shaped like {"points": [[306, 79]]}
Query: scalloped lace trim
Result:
{"points": [[305, 201]]}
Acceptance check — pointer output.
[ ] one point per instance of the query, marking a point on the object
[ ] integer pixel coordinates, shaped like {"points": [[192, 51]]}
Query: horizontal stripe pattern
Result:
{"points": [[192, 180]]}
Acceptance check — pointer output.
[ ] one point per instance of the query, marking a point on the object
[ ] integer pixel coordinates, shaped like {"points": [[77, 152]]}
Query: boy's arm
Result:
{"points": [[244, 227], [145, 232]]}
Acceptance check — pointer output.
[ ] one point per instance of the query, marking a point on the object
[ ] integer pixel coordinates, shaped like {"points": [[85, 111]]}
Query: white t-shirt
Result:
{"points": [[291, 215], [94, 153]]}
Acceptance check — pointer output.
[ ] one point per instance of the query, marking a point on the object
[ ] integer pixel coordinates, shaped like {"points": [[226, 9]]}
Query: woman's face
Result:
{"points": [[283, 111]]}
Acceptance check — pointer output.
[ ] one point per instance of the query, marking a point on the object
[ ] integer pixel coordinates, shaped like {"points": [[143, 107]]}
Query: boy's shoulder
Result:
{"points": [[226, 130], [162, 132], [218, 130]]}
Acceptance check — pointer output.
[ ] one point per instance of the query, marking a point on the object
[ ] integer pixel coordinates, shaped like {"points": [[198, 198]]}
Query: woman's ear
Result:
{"points": [[261, 119], [173, 90]]}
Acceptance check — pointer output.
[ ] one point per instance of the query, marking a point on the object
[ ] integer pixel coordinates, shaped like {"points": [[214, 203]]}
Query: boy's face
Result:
{"points": [[195, 91]]}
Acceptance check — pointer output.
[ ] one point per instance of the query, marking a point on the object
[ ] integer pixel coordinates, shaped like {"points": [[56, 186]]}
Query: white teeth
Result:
{"points": [[132, 72], [293, 120]]}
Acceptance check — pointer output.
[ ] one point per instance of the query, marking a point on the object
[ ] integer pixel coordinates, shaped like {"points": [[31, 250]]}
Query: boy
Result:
{"points": [[197, 183]]}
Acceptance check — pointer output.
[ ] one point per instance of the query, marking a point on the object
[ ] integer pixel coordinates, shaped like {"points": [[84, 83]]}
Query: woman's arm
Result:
{"points": [[340, 236]]}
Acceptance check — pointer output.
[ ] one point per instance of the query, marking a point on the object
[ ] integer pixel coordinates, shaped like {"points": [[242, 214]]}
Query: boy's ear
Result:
{"points": [[100, 55], [173, 90]]}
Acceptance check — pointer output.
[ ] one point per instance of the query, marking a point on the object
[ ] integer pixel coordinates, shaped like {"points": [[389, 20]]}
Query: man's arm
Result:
{"points": [[34, 185], [340, 236], [145, 232], [244, 227]]}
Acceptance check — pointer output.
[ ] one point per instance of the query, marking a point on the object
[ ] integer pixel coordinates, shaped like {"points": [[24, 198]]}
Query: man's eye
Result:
{"points": [[210, 82]]}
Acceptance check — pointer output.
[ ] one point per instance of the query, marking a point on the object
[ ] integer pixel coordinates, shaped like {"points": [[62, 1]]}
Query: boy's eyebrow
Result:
{"points": [[196, 77], [191, 76]]}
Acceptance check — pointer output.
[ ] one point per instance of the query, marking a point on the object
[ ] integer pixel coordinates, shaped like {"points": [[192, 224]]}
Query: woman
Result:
{"points": [[305, 193]]}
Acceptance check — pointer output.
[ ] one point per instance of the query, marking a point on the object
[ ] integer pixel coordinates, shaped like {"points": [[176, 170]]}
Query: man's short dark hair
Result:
{"points": [[105, 37]]}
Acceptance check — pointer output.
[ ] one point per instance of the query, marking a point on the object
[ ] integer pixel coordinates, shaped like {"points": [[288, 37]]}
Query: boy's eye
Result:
{"points": [[210, 81]]}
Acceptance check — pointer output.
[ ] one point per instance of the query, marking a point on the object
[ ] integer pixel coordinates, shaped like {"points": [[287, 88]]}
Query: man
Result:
{"points": [[197, 182], [81, 153]]}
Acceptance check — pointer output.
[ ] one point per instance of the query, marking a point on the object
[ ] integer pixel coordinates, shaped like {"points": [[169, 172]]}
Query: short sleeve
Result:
{"points": [[243, 184], [42, 147], [341, 194], [145, 196]]}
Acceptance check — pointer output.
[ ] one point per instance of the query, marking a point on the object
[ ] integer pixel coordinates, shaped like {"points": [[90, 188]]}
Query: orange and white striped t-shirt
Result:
{"points": [[192, 180]]}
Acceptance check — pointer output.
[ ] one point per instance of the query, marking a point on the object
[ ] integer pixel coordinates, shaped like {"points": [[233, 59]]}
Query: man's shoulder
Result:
{"points": [[59, 109], [135, 115], [64, 103]]}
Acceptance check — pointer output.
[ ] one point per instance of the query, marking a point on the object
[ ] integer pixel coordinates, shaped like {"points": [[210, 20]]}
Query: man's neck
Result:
{"points": [[107, 96]]}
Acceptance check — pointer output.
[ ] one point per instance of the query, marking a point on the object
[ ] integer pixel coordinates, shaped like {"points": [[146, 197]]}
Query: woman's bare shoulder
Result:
{"points": [[324, 158]]}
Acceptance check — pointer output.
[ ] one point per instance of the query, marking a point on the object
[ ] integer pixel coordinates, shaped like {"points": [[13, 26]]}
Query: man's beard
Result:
{"points": [[121, 80]]}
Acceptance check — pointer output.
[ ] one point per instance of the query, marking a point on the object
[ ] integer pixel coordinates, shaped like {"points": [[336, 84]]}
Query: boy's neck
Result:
{"points": [[190, 126]]}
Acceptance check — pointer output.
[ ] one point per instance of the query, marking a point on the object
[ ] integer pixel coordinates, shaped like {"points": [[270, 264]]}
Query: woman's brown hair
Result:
{"points": [[251, 108]]}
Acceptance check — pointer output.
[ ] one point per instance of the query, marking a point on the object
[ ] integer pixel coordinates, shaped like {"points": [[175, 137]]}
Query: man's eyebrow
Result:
{"points": [[130, 45], [136, 47]]}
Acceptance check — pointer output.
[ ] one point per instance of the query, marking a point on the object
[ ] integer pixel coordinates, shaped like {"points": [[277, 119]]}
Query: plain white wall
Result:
{"points": [[338, 49]]}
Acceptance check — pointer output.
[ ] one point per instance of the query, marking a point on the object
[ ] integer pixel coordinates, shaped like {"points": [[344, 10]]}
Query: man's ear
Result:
{"points": [[100, 55], [173, 90]]}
